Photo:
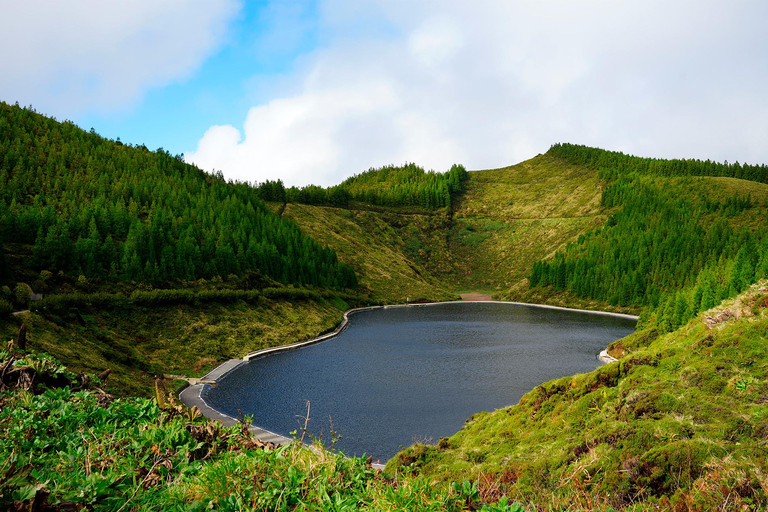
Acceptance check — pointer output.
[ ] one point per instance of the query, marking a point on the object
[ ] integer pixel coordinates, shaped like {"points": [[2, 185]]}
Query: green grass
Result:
{"points": [[511, 217], [680, 421], [394, 255], [139, 342]]}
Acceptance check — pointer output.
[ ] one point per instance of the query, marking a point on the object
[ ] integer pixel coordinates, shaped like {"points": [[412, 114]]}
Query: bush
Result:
{"points": [[5, 308], [21, 295], [291, 293]]}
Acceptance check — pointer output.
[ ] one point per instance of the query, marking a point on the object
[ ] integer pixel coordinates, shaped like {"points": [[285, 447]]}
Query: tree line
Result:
{"points": [[92, 206], [392, 186], [615, 163]]}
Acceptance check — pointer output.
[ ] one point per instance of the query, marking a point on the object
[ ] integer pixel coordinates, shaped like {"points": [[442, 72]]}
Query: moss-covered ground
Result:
{"points": [[680, 422]]}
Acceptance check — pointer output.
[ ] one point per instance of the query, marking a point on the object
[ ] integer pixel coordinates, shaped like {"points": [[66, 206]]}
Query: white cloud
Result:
{"points": [[492, 83], [65, 57]]}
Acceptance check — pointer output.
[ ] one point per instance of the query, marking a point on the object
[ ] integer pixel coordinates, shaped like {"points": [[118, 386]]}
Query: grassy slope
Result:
{"points": [[188, 340], [511, 217], [395, 255], [504, 221], [684, 415]]}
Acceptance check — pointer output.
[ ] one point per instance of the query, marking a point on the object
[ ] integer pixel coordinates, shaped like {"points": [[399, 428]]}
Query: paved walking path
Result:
{"points": [[191, 397]]}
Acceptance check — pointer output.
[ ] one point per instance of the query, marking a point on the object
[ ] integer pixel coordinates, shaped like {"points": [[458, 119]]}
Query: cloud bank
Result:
{"points": [[491, 83], [67, 57]]}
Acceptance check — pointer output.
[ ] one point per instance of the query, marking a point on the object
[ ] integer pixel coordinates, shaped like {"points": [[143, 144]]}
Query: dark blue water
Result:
{"points": [[399, 375]]}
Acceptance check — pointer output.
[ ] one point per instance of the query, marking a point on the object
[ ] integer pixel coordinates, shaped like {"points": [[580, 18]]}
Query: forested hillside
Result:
{"points": [[90, 206], [618, 163], [676, 246]]}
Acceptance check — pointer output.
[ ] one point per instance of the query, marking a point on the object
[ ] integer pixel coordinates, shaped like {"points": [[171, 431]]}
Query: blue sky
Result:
{"points": [[221, 90], [314, 91]]}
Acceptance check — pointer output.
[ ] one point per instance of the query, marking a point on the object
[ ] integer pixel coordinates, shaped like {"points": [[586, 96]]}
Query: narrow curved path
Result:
{"points": [[191, 396]]}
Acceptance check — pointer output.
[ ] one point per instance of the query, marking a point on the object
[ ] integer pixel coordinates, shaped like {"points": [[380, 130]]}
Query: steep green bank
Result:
{"points": [[680, 422], [395, 255], [511, 217], [139, 343]]}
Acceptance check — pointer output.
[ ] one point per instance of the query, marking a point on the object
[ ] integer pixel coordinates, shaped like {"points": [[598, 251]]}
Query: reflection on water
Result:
{"points": [[403, 374]]}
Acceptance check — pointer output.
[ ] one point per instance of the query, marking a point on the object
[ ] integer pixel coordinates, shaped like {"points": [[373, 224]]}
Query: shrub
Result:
{"points": [[291, 293], [21, 295]]}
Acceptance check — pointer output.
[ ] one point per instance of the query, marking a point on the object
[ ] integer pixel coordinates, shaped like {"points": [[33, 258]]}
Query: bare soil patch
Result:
{"points": [[476, 296]]}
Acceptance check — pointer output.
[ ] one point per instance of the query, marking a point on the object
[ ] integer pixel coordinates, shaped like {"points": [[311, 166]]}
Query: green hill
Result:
{"points": [[501, 222], [148, 265]]}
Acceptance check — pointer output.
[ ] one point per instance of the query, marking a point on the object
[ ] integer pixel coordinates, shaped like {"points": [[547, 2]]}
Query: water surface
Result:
{"points": [[399, 375]]}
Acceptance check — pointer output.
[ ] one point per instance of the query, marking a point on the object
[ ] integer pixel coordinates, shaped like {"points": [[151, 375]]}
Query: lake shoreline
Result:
{"points": [[192, 396]]}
